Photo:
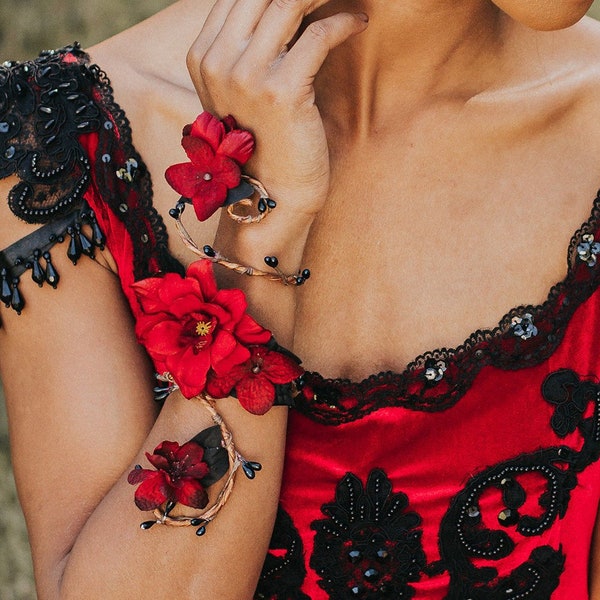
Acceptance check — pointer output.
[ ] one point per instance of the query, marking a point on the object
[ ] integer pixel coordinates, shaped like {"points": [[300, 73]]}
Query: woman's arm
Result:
{"points": [[81, 413], [265, 80]]}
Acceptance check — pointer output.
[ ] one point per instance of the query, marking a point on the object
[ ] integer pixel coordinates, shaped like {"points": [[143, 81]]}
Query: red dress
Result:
{"points": [[472, 475]]}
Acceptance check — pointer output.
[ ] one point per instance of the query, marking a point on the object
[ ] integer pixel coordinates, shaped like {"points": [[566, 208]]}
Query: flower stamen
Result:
{"points": [[203, 328]]}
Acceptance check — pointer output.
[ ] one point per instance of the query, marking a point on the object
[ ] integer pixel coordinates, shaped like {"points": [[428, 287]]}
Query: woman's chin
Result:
{"points": [[545, 15]]}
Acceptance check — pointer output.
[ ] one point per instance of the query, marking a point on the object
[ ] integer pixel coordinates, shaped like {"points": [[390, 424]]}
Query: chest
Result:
{"points": [[427, 239]]}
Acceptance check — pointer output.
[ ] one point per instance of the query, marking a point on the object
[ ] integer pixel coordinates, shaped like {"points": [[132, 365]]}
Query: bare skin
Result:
{"points": [[451, 158]]}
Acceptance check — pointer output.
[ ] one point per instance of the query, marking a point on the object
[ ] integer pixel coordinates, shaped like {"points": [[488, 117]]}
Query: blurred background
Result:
{"points": [[26, 27]]}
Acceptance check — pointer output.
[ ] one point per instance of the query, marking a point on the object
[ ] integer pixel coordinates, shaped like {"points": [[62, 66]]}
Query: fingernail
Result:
{"points": [[363, 17]]}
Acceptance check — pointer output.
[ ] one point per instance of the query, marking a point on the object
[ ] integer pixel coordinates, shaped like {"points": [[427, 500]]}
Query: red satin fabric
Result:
{"points": [[430, 456]]}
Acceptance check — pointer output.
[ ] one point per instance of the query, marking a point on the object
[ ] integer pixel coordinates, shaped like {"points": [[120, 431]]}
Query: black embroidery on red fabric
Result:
{"points": [[283, 572], [436, 380], [464, 537], [46, 106], [369, 544]]}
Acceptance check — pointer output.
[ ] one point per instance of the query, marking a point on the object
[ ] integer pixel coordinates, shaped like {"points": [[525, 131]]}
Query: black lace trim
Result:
{"points": [[46, 106], [33, 253], [436, 380]]}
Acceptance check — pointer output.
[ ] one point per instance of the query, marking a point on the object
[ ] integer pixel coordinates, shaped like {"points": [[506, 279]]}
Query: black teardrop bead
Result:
{"points": [[37, 271], [52, 276], [248, 471], [209, 251], [170, 506], [271, 261], [271, 203], [200, 531], [16, 300], [250, 468], [98, 238], [87, 247], [74, 249], [147, 524], [262, 205], [196, 522], [305, 273], [5, 289]]}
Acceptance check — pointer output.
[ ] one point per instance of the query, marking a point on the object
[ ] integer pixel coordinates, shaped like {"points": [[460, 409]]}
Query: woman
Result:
{"points": [[430, 161]]}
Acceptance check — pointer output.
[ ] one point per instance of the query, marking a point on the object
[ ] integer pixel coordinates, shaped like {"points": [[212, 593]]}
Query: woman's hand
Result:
{"points": [[241, 65]]}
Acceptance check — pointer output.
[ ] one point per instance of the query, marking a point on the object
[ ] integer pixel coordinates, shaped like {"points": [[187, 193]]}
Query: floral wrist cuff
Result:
{"points": [[181, 475]]}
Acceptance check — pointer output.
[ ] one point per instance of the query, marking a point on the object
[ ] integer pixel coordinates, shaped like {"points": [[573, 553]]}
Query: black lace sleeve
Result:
{"points": [[62, 134]]}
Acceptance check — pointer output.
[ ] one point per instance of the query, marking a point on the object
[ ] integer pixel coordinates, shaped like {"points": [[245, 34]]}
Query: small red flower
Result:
{"points": [[179, 470], [188, 326], [255, 378], [216, 150]]}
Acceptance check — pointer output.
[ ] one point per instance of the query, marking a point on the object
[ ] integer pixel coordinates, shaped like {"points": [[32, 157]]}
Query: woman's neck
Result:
{"points": [[412, 50]]}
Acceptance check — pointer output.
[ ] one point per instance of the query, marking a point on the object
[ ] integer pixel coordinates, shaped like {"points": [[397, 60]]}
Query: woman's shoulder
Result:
{"points": [[71, 173]]}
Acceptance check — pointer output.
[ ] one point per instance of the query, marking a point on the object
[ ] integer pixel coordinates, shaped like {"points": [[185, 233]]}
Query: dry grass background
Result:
{"points": [[26, 27]]}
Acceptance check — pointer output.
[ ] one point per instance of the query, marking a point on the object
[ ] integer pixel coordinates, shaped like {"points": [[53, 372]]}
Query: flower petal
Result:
{"points": [[279, 368], [189, 371], [209, 128], [238, 145], [256, 394], [200, 153], [208, 198], [138, 475], [152, 492], [184, 178], [234, 302], [164, 339], [202, 271], [191, 457], [226, 171], [191, 493], [248, 331], [226, 352], [220, 386]]}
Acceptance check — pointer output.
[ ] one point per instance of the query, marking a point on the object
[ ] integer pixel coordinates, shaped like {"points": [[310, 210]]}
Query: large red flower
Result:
{"points": [[188, 326], [255, 378], [216, 150], [179, 470]]}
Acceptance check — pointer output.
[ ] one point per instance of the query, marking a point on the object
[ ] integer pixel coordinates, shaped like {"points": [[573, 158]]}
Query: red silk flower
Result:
{"points": [[216, 150], [253, 380], [179, 470], [189, 326]]}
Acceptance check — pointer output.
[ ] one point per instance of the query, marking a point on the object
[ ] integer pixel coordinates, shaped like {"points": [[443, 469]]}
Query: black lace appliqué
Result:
{"points": [[284, 571], [435, 381], [463, 535], [46, 106], [369, 546]]}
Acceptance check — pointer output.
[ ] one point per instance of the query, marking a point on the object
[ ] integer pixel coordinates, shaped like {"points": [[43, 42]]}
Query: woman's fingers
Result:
{"points": [[309, 52]]}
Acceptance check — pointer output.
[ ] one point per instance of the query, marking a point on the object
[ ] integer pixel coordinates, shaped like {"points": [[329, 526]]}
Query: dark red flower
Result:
{"points": [[179, 470], [188, 326], [216, 150], [254, 379]]}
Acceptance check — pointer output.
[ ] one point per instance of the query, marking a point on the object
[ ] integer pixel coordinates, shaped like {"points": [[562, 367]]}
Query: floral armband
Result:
{"points": [[182, 473], [201, 339]]}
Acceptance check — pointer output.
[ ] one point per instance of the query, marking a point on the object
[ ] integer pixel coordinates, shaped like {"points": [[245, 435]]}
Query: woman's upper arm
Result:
{"points": [[79, 396]]}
